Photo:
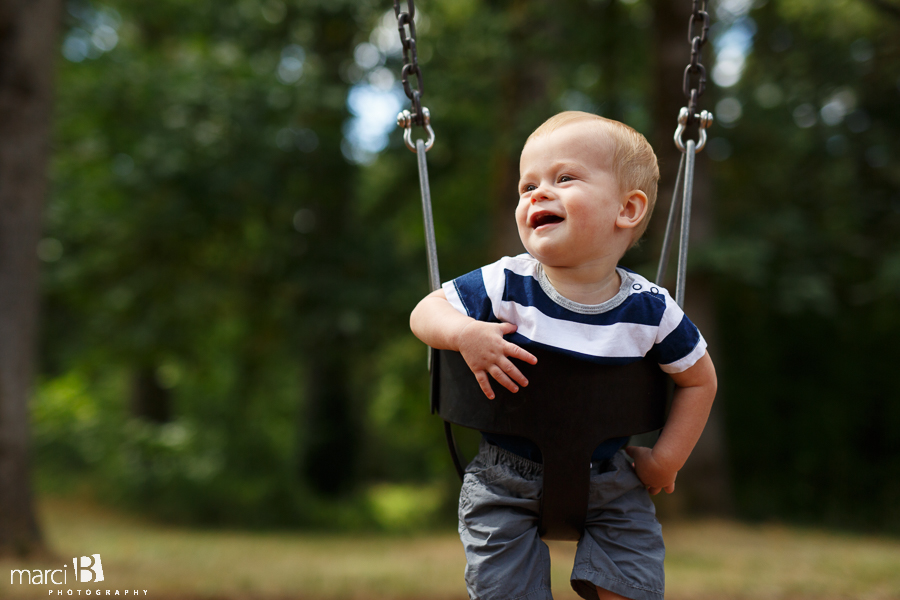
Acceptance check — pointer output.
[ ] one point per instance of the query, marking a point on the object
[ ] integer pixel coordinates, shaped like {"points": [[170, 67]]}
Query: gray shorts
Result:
{"points": [[621, 549]]}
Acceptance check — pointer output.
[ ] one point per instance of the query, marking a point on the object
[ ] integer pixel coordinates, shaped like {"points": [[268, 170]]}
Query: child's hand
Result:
{"points": [[485, 351], [651, 473]]}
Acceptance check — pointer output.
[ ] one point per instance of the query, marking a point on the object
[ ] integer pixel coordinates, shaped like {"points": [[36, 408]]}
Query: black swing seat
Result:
{"points": [[569, 408]]}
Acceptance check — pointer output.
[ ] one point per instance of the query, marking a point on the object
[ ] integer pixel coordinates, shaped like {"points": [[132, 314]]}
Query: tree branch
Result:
{"points": [[886, 7]]}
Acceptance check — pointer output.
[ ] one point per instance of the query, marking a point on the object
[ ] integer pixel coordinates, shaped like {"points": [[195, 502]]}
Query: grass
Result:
{"points": [[706, 560]]}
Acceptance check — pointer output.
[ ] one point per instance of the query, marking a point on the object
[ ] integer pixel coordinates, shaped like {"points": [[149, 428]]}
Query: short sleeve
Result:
{"points": [[468, 295], [679, 344]]}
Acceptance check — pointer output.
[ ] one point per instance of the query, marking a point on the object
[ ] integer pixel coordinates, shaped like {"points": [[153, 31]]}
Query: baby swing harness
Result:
{"points": [[570, 406]]}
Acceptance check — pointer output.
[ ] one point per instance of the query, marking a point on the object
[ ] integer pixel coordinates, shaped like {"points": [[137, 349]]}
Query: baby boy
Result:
{"points": [[586, 191]]}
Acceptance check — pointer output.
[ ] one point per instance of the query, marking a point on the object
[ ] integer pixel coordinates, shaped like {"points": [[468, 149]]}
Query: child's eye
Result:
{"points": [[529, 188], [565, 178]]}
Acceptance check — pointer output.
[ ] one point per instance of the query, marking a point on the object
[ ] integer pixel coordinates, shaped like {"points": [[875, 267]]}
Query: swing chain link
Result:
{"points": [[419, 115], [697, 41], [694, 82]]}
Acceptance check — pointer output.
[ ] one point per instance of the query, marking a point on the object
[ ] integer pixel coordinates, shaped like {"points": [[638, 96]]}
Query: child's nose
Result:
{"points": [[540, 194]]}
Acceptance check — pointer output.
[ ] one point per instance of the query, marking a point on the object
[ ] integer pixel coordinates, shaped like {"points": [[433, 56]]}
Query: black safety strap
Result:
{"points": [[567, 417]]}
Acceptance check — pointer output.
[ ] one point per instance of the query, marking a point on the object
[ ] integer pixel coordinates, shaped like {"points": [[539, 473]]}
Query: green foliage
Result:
{"points": [[210, 224], [202, 228], [807, 215]]}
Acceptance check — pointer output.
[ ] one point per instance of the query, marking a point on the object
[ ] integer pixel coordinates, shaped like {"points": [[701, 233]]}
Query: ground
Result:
{"points": [[706, 560]]}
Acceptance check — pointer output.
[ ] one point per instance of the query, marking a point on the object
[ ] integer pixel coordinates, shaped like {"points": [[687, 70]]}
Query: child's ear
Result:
{"points": [[633, 210]]}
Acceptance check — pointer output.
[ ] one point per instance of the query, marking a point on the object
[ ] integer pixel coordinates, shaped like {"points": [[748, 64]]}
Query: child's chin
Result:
{"points": [[547, 254]]}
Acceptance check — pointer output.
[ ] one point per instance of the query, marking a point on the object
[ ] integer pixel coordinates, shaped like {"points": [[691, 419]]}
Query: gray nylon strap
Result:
{"points": [[689, 155], [681, 202], [434, 276], [674, 207]]}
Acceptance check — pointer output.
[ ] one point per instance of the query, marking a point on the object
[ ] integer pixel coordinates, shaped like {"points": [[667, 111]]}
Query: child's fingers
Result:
{"points": [[670, 488], [518, 352], [653, 490], [507, 328], [513, 373], [502, 378], [484, 383]]}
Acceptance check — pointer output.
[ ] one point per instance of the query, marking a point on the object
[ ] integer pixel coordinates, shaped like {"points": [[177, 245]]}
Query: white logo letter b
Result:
{"points": [[91, 569]]}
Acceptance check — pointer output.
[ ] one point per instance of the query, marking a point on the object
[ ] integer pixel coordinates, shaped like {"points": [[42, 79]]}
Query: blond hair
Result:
{"points": [[633, 158]]}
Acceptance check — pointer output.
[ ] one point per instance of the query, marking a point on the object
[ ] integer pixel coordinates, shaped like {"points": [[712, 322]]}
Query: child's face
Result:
{"points": [[570, 198]]}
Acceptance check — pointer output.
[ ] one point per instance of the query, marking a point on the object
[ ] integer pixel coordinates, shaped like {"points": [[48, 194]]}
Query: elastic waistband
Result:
{"points": [[491, 454], [495, 455]]}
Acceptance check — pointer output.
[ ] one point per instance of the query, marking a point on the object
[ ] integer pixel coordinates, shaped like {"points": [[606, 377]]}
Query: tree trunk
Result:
{"points": [[331, 456], [149, 400], [703, 484], [28, 47], [521, 74]]}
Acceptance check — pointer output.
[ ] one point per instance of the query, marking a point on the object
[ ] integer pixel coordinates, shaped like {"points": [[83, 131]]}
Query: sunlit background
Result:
{"points": [[233, 242]]}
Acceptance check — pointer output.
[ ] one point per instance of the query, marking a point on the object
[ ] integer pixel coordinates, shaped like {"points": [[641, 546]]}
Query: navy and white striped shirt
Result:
{"points": [[640, 320]]}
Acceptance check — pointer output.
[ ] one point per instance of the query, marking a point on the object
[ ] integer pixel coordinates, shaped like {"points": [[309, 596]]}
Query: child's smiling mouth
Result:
{"points": [[544, 218]]}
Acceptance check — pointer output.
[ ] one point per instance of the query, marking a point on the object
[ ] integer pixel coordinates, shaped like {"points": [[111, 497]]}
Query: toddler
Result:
{"points": [[587, 188]]}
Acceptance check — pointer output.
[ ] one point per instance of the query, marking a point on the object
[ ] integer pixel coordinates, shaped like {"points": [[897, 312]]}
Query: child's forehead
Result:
{"points": [[583, 141]]}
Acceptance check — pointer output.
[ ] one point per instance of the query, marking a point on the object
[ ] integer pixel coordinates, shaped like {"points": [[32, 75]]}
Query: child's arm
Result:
{"points": [[438, 324], [694, 394]]}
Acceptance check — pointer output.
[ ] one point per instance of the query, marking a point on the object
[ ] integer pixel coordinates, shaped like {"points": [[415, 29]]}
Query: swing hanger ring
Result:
{"points": [[405, 120], [705, 119]]}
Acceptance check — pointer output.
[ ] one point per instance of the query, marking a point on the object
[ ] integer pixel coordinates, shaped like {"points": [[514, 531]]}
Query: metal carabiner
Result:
{"points": [[706, 119], [405, 120]]}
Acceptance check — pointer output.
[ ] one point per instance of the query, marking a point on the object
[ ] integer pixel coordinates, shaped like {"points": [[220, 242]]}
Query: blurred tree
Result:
{"points": [[28, 36], [805, 258], [150, 400], [221, 232], [889, 8], [204, 214]]}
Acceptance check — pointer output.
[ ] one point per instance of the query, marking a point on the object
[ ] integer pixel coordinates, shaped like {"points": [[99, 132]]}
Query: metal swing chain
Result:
{"points": [[694, 82], [698, 15], [422, 117], [419, 116], [687, 116], [406, 25]]}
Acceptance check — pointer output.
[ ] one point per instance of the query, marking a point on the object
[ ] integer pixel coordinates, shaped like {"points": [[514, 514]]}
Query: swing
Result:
{"points": [[570, 406]]}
